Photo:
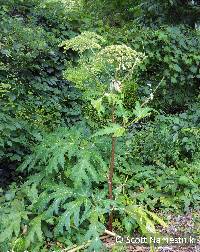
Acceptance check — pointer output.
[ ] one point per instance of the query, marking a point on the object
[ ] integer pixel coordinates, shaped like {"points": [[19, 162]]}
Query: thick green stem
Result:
{"points": [[111, 172]]}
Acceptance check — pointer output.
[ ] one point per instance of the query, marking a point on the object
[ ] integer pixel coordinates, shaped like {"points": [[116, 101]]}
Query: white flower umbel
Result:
{"points": [[100, 68], [84, 41], [116, 86]]}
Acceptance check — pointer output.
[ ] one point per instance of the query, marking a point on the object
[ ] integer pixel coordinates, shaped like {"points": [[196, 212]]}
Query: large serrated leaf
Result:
{"points": [[35, 231], [114, 129]]}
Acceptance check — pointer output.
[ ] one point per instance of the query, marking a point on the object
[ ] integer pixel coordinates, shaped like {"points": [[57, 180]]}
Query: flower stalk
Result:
{"points": [[111, 172]]}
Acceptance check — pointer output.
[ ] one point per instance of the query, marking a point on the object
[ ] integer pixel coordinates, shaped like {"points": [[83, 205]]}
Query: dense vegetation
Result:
{"points": [[99, 119]]}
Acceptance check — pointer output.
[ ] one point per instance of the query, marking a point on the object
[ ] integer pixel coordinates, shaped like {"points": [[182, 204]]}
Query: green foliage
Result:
{"points": [[172, 53], [169, 139], [166, 188], [147, 12], [161, 164], [100, 11], [65, 163], [33, 95], [65, 192], [172, 12], [115, 129], [66, 62], [15, 138]]}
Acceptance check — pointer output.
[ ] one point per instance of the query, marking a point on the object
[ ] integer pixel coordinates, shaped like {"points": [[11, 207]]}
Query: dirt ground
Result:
{"points": [[181, 235]]}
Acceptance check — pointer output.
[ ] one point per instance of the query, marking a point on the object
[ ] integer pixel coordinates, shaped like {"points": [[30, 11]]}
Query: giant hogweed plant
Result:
{"points": [[68, 197], [102, 73]]}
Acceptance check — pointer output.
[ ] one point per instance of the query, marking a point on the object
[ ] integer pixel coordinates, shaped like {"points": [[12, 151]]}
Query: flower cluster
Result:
{"points": [[121, 57], [103, 66], [83, 42]]}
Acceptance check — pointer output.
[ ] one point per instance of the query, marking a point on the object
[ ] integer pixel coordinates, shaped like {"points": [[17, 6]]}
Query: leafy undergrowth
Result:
{"points": [[69, 184], [65, 197]]}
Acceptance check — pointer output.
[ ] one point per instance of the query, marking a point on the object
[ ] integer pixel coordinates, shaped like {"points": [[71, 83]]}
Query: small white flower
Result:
{"points": [[116, 86], [123, 67]]}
